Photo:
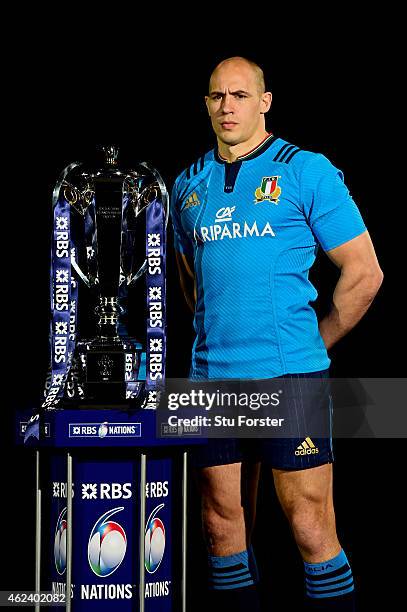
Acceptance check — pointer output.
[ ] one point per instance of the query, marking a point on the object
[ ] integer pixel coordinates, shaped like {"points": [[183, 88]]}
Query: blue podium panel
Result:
{"points": [[105, 521], [108, 530], [111, 511], [54, 525], [162, 535], [76, 428]]}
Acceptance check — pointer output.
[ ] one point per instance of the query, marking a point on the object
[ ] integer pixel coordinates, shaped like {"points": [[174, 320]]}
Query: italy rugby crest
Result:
{"points": [[268, 190]]}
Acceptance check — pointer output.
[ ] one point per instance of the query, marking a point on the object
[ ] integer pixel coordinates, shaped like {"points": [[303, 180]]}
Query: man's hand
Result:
{"points": [[360, 280]]}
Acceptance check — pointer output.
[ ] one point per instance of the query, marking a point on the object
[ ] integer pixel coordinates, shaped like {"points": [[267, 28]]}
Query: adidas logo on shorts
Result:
{"points": [[307, 448]]}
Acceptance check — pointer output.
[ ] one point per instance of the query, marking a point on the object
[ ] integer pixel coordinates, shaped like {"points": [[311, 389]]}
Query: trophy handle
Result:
{"points": [[55, 195], [165, 199], [163, 188], [61, 178]]}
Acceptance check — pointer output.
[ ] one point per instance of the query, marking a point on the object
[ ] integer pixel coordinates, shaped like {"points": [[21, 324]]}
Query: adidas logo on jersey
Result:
{"points": [[307, 448], [192, 200]]}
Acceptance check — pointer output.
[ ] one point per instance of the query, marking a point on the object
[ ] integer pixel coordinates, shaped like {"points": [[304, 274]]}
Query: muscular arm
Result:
{"points": [[187, 279], [357, 286]]}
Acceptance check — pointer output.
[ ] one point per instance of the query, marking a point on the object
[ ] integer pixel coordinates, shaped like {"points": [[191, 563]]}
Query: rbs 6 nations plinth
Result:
{"points": [[110, 492]]}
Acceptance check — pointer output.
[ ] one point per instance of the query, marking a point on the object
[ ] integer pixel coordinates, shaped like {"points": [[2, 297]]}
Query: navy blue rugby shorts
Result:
{"points": [[293, 453]]}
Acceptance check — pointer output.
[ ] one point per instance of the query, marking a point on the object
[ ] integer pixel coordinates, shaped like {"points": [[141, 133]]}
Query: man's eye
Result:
{"points": [[240, 96]]}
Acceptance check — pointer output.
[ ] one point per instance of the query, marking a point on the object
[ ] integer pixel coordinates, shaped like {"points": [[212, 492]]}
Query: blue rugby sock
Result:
{"points": [[329, 585], [233, 581]]}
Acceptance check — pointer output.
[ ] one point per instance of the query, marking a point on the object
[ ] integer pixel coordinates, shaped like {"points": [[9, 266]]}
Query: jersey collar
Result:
{"points": [[258, 150]]}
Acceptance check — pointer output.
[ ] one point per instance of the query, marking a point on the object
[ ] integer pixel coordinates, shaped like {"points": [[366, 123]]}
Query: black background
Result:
{"points": [[336, 95]]}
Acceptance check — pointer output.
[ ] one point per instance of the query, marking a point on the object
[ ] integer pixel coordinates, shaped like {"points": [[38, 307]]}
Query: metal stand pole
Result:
{"points": [[69, 525], [37, 528], [184, 529], [143, 471]]}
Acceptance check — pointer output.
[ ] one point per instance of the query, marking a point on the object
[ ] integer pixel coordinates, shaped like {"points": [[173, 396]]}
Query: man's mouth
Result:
{"points": [[228, 124]]}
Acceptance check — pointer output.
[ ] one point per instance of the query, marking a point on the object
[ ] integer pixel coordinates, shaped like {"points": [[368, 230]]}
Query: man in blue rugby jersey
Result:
{"points": [[248, 219]]}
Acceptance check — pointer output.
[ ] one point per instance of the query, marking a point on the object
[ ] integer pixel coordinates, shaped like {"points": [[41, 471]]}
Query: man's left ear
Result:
{"points": [[206, 104], [266, 102]]}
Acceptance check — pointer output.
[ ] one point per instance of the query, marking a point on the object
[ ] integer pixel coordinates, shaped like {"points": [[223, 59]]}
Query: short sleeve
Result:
{"points": [[181, 241], [329, 208]]}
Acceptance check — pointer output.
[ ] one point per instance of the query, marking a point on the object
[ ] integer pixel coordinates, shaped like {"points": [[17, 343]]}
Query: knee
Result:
{"points": [[312, 523], [221, 521]]}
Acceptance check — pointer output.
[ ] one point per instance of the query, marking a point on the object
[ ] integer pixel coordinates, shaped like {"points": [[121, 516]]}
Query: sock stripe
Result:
{"points": [[331, 594], [232, 579], [229, 568], [331, 578], [217, 574], [328, 581], [328, 588], [240, 585], [337, 572], [233, 571]]}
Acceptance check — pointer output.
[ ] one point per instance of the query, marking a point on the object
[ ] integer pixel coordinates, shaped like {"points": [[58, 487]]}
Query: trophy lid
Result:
{"points": [[111, 154]]}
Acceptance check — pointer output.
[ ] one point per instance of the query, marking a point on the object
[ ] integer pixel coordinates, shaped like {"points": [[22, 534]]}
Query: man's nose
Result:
{"points": [[227, 103]]}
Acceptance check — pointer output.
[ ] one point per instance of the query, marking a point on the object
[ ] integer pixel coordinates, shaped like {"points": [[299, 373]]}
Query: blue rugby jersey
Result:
{"points": [[253, 228]]}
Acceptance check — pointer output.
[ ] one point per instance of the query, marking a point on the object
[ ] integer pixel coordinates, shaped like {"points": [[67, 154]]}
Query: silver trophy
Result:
{"points": [[114, 219]]}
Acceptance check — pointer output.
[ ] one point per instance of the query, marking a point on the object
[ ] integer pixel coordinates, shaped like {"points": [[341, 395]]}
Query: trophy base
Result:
{"points": [[106, 365]]}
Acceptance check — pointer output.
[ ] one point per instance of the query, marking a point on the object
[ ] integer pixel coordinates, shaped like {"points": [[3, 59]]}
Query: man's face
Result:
{"points": [[235, 104]]}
